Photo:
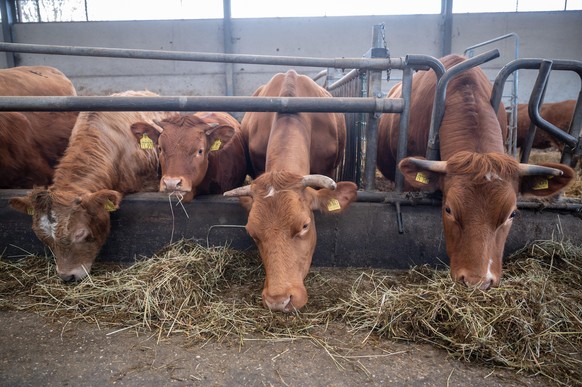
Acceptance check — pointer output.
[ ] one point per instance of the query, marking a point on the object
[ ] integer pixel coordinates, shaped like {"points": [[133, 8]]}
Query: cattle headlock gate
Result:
{"points": [[375, 231]]}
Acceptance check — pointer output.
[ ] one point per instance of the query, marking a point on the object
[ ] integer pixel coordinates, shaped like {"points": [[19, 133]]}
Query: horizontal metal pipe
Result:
{"points": [[338, 63], [419, 198], [198, 103], [344, 80]]}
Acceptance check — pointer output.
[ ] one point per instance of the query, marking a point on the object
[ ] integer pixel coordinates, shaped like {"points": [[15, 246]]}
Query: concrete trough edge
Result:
{"points": [[365, 235]]}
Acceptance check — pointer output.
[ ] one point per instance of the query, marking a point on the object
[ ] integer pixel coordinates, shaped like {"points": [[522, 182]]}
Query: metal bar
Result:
{"points": [[340, 63], [536, 97], [571, 156], [350, 76], [438, 110], [375, 91], [420, 198], [227, 41], [468, 50], [7, 13], [535, 102], [425, 62], [446, 26], [202, 103], [401, 150], [529, 64]]}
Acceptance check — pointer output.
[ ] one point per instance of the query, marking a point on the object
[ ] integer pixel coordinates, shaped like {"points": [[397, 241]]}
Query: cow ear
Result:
{"points": [[22, 204], [218, 136], [333, 201], [105, 198], [418, 176], [143, 132], [543, 185]]}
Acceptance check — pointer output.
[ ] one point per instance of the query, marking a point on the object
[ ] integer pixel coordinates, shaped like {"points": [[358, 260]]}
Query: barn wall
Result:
{"points": [[541, 34]]}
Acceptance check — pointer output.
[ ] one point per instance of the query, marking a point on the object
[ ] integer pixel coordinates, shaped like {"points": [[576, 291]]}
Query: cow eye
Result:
{"points": [[200, 151], [448, 210], [513, 214], [304, 229]]}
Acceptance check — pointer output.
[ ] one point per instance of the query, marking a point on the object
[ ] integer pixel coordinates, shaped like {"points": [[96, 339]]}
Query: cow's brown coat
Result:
{"points": [[102, 163], [480, 184], [199, 154], [283, 148], [31, 143]]}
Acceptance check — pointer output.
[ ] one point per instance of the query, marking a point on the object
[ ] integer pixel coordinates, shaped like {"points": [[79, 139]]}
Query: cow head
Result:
{"points": [[280, 220], [183, 148], [479, 205], [74, 227]]}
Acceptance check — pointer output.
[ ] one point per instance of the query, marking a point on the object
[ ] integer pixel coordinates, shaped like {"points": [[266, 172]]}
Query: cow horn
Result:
{"points": [[245, 190], [431, 165], [532, 170], [158, 125], [318, 181]]}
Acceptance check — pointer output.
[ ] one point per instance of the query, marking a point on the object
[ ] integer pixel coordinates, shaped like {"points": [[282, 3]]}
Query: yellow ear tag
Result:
{"points": [[333, 205], [145, 142], [422, 178], [30, 210], [109, 206], [541, 184], [216, 145]]}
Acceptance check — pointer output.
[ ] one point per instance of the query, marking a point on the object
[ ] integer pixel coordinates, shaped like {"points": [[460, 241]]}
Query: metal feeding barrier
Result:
{"points": [[361, 236], [572, 150], [358, 94]]}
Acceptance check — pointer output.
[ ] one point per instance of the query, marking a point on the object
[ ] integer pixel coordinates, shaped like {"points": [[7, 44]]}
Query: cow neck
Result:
{"points": [[477, 130], [289, 145], [99, 157]]}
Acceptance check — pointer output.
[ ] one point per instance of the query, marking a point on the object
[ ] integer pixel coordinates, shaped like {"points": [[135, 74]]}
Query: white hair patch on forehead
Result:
{"points": [[48, 224], [492, 176], [271, 192]]}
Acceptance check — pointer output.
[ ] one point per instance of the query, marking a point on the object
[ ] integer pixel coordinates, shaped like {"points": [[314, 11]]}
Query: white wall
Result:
{"points": [[545, 34]]}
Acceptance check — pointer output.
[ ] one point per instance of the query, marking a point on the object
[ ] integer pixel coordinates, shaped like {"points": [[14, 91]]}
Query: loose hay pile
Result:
{"points": [[532, 323]]}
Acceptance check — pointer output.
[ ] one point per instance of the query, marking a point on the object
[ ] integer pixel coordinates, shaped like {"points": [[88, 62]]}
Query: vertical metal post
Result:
{"points": [[446, 26], [403, 127], [7, 12], [374, 90], [227, 38], [571, 155]]}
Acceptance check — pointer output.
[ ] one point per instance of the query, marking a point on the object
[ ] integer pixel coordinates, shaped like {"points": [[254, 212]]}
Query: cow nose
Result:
{"points": [[483, 284], [173, 183], [67, 277], [289, 301], [75, 274], [279, 304]]}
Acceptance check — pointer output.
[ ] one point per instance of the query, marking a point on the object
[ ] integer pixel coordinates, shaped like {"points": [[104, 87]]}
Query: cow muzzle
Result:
{"points": [[75, 274], [172, 184], [293, 299], [475, 281], [177, 185]]}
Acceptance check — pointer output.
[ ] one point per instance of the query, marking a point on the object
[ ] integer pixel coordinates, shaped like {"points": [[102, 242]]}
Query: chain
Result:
{"points": [[388, 70]]}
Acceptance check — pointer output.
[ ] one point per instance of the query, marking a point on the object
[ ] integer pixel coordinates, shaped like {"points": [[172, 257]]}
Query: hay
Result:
{"points": [[533, 323]]}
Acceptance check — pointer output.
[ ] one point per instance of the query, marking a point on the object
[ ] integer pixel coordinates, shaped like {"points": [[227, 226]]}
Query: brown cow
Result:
{"points": [[101, 164], [281, 201], [199, 154], [557, 113], [479, 182], [31, 143]]}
